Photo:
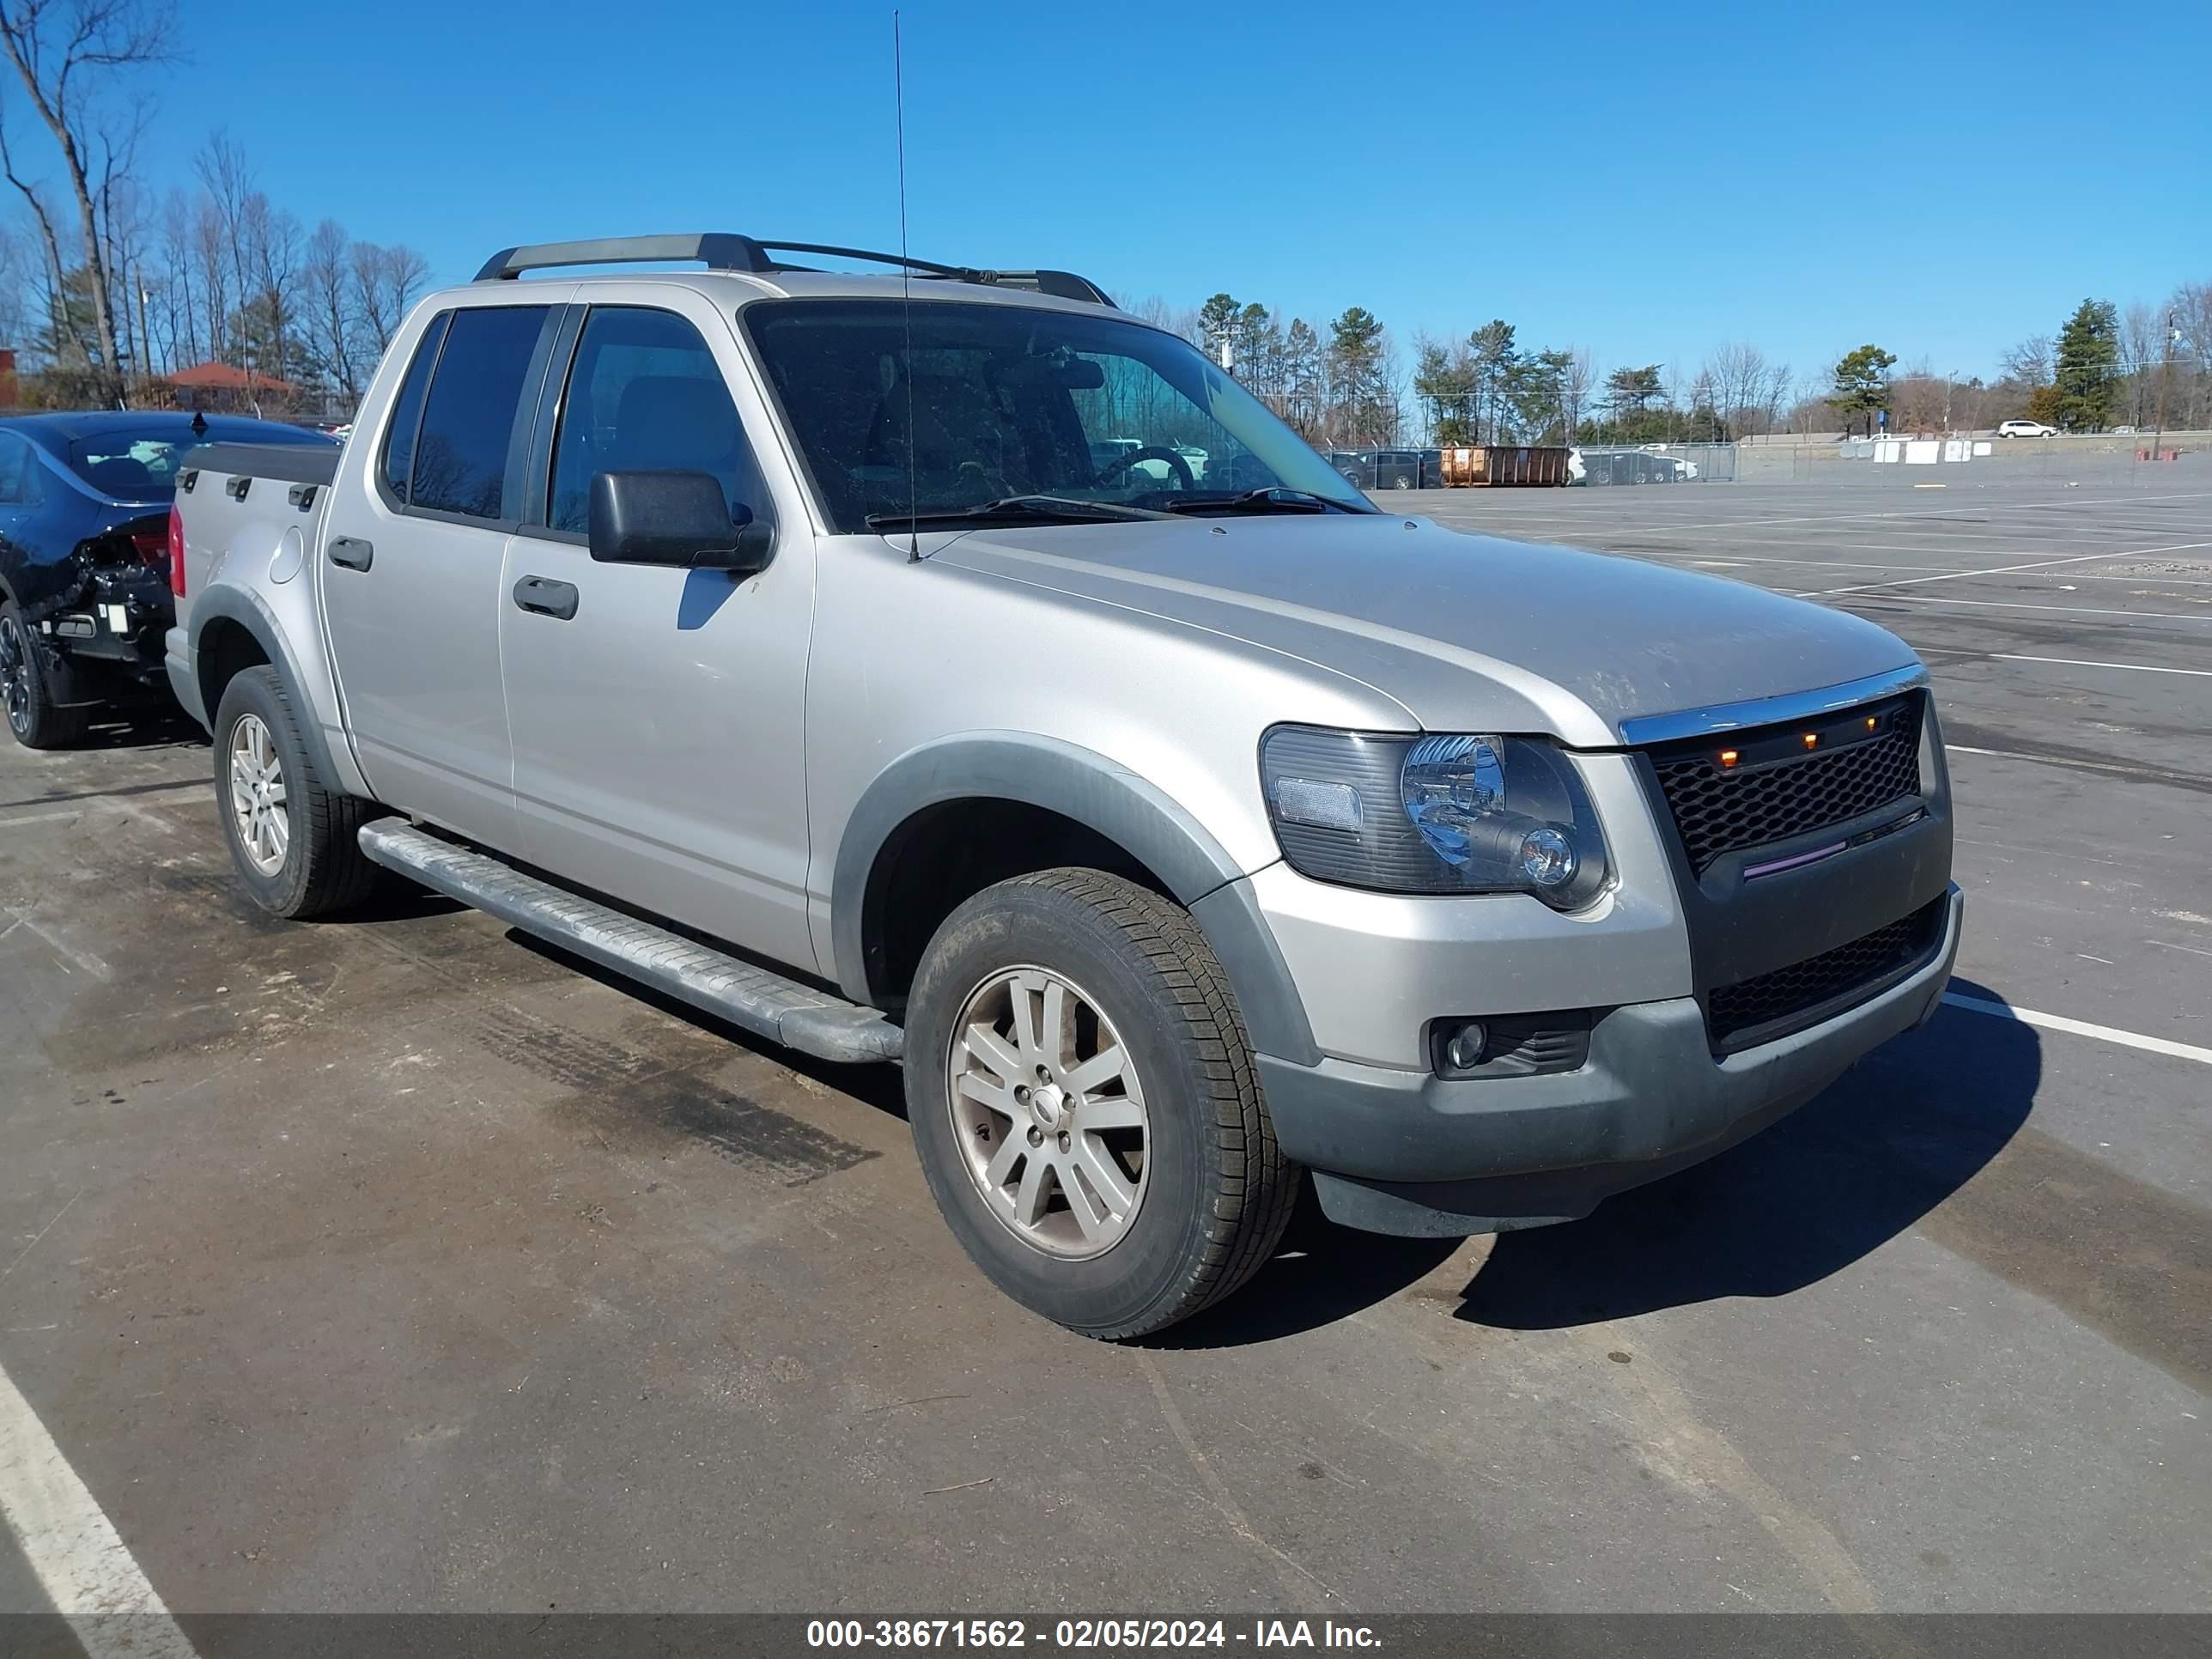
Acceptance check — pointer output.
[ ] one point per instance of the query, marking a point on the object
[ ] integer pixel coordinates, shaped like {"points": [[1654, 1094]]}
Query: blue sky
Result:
{"points": [[1645, 181]]}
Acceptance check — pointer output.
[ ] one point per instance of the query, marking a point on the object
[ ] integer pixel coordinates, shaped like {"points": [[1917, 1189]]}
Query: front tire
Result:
{"points": [[34, 719], [291, 836], [1084, 1104]]}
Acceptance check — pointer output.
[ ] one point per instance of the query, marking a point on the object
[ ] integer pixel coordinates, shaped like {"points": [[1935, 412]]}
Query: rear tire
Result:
{"points": [[291, 836], [1170, 1155], [34, 719]]}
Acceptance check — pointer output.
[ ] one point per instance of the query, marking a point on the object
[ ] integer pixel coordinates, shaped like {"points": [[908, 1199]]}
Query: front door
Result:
{"points": [[411, 566], [656, 712]]}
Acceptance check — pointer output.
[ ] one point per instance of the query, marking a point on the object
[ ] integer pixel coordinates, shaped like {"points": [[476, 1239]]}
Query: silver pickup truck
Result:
{"points": [[818, 649]]}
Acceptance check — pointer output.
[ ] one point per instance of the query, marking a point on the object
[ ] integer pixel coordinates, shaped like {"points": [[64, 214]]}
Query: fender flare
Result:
{"points": [[1104, 796], [248, 611]]}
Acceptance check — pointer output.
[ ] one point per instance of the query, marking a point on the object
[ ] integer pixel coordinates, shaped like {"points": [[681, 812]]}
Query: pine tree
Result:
{"points": [[2087, 376], [1862, 383]]}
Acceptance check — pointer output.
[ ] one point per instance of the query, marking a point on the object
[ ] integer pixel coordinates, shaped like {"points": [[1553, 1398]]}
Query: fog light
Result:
{"points": [[1463, 1048]]}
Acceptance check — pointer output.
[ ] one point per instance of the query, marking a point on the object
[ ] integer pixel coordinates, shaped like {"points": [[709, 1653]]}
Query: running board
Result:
{"points": [[763, 1002]]}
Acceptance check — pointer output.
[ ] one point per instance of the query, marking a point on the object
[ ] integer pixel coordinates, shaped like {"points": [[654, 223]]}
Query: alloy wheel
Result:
{"points": [[1049, 1113], [258, 803], [15, 675]]}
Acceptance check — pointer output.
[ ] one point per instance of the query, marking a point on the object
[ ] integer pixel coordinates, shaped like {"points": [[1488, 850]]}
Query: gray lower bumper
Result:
{"points": [[182, 681], [1409, 1152]]}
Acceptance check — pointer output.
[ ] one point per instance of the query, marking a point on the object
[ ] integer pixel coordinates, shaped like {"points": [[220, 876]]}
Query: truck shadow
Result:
{"points": [[1826, 1186], [143, 725]]}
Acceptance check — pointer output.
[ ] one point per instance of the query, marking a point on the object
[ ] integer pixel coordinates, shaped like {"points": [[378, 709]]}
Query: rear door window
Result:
{"points": [[407, 410], [14, 462], [469, 453]]}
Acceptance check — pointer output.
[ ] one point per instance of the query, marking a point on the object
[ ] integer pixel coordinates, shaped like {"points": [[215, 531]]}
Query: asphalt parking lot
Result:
{"points": [[397, 1263]]}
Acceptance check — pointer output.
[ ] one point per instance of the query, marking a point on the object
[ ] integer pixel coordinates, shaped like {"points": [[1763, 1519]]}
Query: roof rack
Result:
{"points": [[724, 251]]}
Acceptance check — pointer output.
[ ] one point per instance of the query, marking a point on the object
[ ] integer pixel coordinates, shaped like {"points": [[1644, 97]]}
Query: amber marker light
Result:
{"points": [[1729, 757], [1812, 739]]}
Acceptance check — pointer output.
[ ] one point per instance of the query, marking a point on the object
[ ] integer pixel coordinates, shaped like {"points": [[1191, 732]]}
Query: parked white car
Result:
{"points": [[2025, 429]]}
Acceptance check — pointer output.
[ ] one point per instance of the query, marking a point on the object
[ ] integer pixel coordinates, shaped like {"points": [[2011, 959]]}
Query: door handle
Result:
{"points": [[351, 551], [546, 596]]}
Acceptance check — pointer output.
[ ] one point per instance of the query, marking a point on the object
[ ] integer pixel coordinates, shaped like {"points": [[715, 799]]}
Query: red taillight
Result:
{"points": [[176, 552]]}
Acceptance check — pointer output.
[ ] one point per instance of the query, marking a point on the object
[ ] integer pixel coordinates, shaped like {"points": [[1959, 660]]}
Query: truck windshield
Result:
{"points": [[1018, 401]]}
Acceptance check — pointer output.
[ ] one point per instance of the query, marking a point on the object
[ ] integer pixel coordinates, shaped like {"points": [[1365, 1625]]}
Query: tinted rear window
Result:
{"points": [[142, 467], [469, 420], [407, 412]]}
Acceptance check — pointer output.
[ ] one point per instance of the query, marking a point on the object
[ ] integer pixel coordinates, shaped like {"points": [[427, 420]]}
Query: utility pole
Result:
{"points": [[2165, 375]]}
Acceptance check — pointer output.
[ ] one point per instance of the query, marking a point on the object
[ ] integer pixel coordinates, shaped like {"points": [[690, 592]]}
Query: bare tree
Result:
{"points": [[272, 244], [56, 275], [326, 275], [182, 322], [1160, 314], [2191, 310], [62, 51], [2142, 333], [229, 181], [211, 255], [2032, 361], [385, 281], [16, 256], [1577, 379]]}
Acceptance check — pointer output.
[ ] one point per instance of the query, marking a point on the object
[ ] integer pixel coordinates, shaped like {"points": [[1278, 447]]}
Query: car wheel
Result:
{"points": [[1401, 482], [293, 838], [34, 719], [1084, 1104]]}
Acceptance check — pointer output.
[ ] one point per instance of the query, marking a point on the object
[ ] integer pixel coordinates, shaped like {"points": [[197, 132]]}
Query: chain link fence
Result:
{"points": [[1652, 464]]}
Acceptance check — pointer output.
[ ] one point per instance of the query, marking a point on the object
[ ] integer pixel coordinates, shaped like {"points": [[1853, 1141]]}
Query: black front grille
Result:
{"points": [[1721, 808], [1768, 1005]]}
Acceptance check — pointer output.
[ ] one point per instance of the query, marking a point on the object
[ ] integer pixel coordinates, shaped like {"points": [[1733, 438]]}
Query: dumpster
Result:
{"points": [[1466, 464]]}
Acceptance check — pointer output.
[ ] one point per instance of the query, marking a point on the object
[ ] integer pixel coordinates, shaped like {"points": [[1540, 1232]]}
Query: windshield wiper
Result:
{"points": [[1273, 500], [1019, 510]]}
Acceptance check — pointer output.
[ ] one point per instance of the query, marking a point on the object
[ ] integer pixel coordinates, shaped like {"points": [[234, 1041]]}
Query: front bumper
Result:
{"points": [[1405, 1151]]}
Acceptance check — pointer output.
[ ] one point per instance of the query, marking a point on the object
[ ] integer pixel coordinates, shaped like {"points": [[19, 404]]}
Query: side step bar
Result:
{"points": [[766, 1003]]}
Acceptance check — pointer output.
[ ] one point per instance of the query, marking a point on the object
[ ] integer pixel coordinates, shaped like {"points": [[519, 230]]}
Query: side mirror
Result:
{"points": [[678, 519]]}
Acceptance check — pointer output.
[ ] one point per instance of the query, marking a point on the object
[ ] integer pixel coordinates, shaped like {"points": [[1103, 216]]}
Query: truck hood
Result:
{"points": [[1465, 632]]}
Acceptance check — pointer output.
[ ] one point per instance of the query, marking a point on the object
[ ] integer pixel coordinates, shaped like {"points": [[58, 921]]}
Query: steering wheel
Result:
{"points": [[1123, 462]]}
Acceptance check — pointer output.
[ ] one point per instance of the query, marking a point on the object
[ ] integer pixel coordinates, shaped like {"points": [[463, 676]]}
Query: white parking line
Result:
{"points": [[1659, 521], [2007, 569], [2147, 578], [73, 1547], [2054, 609], [2082, 1028], [1735, 557], [84, 959], [2079, 662]]}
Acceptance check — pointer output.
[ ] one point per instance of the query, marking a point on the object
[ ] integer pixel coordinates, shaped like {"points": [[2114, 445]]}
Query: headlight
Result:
{"points": [[1441, 814]]}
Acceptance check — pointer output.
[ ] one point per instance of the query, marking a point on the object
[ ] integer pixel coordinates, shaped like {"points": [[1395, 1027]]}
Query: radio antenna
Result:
{"points": [[906, 298]]}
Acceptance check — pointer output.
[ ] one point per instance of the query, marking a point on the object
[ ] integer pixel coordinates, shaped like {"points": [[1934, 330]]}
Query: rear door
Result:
{"points": [[656, 711], [411, 565]]}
